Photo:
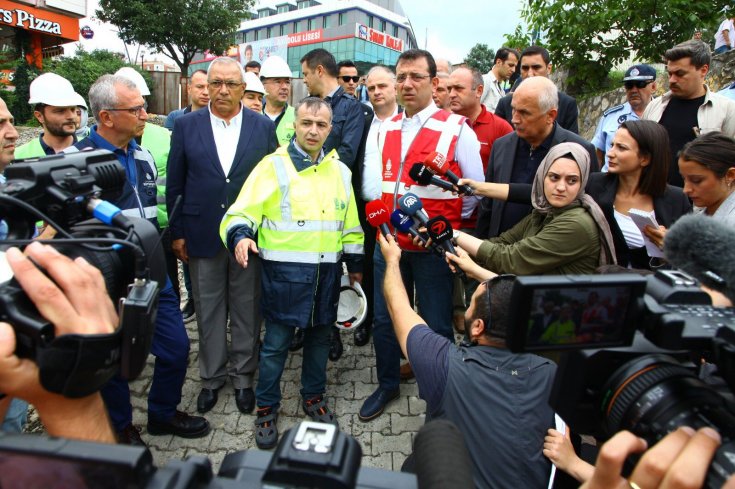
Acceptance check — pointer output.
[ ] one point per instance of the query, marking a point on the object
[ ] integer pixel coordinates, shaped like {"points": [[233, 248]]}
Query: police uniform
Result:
{"points": [[608, 125]]}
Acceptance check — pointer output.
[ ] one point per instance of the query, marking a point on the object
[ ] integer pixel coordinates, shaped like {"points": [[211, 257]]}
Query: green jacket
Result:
{"points": [[31, 149], [564, 241], [157, 140], [284, 125]]}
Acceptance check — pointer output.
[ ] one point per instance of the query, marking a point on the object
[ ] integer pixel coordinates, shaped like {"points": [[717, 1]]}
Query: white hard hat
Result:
{"points": [[275, 67], [55, 90], [135, 77], [253, 83], [352, 307]]}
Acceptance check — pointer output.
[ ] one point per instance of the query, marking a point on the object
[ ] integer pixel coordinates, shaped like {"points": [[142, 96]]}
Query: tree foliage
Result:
{"points": [[480, 57], [177, 28], [85, 67], [519, 39], [589, 37]]}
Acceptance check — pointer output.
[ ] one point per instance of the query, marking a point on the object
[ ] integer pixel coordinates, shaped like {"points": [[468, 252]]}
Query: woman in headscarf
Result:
{"points": [[566, 233]]}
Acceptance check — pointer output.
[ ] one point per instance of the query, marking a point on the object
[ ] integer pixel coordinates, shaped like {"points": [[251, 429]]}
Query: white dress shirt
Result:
{"points": [[372, 170], [226, 137]]}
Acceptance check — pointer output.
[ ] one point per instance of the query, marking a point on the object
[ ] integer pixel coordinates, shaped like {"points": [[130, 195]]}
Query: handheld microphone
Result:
{"points": [[405, 224], [703, 247], [424, 176], [438, 163], [377, 215], [440, 231], [412, 205]]}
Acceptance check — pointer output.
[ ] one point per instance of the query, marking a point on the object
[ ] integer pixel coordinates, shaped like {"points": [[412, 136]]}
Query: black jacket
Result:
{"points": [[566, 118]]}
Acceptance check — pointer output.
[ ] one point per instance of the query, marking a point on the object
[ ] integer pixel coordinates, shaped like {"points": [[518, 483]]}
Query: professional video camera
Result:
{"points": [[631, 354], [67, 192]]}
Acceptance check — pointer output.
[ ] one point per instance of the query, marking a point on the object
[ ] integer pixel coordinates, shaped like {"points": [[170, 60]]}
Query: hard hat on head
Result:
{"points": [[275, 67], [55, 90], [253, 83], [134, 76]]}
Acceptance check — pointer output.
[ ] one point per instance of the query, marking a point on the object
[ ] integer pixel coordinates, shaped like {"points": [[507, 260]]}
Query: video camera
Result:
{"points": [[67, 191], [632, 353]]}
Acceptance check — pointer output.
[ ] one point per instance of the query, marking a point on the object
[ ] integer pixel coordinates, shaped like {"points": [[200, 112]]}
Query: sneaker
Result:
{"points": [[318, 411], [188, 312], [130, 435], [266, 429]]}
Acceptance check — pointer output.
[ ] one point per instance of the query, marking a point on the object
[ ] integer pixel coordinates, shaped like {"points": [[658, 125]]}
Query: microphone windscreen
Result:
{"points": [[377, 213], [410, 203], [436, 162], [401, 221], [701, 245], [441, 457], [421, 174]]}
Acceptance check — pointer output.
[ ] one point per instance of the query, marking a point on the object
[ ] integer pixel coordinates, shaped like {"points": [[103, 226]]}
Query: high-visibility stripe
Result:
{"points": [[423, 192], [451, 129], [149, 212], [356, 249], [239, 221], [300, 256], [284, 183], [301, 226]]}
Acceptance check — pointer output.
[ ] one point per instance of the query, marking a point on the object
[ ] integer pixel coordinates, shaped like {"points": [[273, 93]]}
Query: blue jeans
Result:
{"points": [[15, 417], [273, 356], [170, 346], [432, 279], [722, 49]]}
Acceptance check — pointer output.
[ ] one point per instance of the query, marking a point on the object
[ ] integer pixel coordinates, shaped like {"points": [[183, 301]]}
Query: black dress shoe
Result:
{"points": [[188, 311], [245, 400], [297, 341], [130, 435], [376, 402], [206, 400], [335, 345], [181, 424], [362, 334]]}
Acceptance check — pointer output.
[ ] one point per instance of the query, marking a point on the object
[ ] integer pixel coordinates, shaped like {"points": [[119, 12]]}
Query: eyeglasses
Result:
{"points": [[417, 77], [231, 85], [347, 79], [132, 110], [637, 83]]}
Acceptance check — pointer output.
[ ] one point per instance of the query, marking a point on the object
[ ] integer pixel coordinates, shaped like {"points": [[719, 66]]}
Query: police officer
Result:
{"points": [[640, 85]]}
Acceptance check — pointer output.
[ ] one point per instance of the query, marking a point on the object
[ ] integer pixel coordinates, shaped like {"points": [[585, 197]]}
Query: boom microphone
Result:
{"points": [[377, 215], [424, 176], [703, 247], [438, 163], [412, 205]]}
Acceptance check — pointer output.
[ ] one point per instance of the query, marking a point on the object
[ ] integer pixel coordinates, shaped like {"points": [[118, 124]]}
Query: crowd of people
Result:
{"points": [[263, 204]]}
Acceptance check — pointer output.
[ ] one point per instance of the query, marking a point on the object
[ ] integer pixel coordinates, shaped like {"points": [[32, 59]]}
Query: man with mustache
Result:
{"points": [[689, 108]]}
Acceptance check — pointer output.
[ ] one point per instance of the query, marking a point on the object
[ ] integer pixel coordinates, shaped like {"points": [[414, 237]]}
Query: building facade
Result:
{"points": [[368, 32]]}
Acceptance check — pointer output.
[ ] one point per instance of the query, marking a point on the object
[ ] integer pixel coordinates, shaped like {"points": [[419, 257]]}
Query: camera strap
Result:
{"points": [[78, 365]]}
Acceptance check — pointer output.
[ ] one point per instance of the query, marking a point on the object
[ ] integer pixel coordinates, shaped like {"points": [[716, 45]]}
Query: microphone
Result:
{"points": [[412, 205], [405, 224], [440, 231], [377, 215], [438, 163], [441, 457], [424, 176], [703, 247]]}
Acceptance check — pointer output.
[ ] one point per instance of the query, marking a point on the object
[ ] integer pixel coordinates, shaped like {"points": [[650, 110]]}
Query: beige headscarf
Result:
{"points": [[542, 205]]}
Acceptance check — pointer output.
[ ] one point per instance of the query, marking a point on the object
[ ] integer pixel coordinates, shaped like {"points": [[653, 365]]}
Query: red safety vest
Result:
{"points": [[440, 134]]}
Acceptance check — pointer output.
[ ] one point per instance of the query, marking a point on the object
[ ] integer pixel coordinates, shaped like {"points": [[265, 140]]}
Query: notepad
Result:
{"points": [[641, 220]]}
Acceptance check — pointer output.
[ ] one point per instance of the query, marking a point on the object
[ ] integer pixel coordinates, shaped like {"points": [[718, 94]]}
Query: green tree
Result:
{"points": [[85, 67], [480, 57], [177, 28], [589, 37], [518, 39]]}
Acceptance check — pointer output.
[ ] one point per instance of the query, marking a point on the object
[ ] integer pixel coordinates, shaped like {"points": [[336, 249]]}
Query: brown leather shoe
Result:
{"points": [[130, 435], [406, 371]]}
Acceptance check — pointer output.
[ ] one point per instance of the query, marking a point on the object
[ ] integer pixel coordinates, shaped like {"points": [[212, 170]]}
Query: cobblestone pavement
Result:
{"points": [[386, 441]]}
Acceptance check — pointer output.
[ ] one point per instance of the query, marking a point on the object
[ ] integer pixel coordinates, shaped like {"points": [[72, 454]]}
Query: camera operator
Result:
{"points": [[120, 112], [498, 399], [79, 304]]}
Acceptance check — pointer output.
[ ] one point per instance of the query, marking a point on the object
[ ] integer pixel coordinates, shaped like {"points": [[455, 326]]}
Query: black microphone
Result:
{"points": [[412, 205], [703, 247], [441, 457], [377, 215], [441, 232], [438, 163], [405, 224], [424, 176]]}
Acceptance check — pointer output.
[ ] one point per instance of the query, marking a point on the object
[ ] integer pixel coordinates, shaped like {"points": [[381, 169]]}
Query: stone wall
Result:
{"points": [[722, 72]]}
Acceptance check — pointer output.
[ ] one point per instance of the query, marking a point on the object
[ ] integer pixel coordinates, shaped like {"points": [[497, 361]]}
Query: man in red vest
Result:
{"points": [[403, 140]]}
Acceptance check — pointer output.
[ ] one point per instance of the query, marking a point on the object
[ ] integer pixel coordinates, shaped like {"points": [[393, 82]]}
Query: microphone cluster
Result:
{"points": [[436, 164]]}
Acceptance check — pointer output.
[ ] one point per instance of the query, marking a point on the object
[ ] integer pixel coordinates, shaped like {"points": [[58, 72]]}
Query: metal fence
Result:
{"points": [[166, 95]]}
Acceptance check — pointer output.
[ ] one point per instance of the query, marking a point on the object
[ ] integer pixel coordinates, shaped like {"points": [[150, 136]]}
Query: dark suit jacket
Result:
{"points": [[195, 173], [668, 208], [500, 169], [566, 117]]}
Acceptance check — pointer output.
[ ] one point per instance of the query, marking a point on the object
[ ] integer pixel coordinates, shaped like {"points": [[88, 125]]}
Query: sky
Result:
{"points": [[448, 29]]}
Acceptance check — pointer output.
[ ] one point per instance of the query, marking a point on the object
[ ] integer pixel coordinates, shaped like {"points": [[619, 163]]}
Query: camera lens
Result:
{"points": [[653, 395]]}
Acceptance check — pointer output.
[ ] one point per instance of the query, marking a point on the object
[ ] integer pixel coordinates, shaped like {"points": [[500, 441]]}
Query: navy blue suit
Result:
{"points": [[222, 289]]}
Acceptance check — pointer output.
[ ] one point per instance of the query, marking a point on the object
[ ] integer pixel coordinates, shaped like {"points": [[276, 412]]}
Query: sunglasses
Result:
{"points": [[347, 79], [637, 83]]}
